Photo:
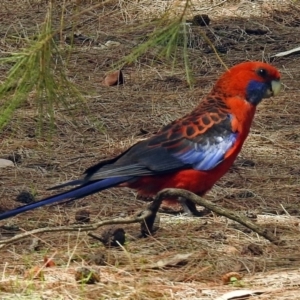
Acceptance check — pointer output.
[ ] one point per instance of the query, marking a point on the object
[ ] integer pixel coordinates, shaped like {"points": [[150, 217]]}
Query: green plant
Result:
{"points": [[37, 71]]}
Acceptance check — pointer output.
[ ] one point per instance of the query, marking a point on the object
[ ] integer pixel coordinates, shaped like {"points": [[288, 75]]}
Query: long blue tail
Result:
{"points": [[73, 194]]}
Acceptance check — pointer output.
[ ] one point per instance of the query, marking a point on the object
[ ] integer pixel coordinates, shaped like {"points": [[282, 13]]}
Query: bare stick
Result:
{"points": [[138, 218], [147, 218], [175, 193]]}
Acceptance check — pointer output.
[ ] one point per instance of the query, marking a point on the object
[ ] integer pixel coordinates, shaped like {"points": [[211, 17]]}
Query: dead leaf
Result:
{"points": [[227, 278], [48, 262], [114, 78]]}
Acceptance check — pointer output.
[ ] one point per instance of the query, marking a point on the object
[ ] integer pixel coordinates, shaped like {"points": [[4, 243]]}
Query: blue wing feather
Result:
{"points": [[206, 157]]}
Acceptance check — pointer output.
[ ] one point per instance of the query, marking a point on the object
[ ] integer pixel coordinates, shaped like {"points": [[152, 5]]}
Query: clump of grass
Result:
{"points": [[171, 39], [171, 33], [38, 71]]}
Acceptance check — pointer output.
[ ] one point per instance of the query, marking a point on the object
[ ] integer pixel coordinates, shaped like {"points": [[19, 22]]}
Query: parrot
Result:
{"points": [[191, 153]]}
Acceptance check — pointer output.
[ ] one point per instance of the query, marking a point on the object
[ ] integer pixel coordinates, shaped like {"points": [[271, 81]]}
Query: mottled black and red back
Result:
{"points": [[191, 138], [212, 110]]}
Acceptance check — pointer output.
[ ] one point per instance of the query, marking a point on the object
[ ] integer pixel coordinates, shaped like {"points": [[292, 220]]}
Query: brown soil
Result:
{"points": [[187, 257]]}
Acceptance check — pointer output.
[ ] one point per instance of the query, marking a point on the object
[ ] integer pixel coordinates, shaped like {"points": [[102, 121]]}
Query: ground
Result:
{"points": [[188, 257]]}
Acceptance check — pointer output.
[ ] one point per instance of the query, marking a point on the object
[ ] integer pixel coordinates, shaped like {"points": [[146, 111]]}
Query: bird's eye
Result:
{"points": [[262, 73]]}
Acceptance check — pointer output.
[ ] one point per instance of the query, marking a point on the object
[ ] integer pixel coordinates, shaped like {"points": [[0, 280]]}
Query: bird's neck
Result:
{"points": [[243, 113], [241, 110]]}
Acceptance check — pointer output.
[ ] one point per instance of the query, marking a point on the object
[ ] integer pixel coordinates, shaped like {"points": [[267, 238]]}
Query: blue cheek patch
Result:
{"points": [[206, 157], [255, 91]]}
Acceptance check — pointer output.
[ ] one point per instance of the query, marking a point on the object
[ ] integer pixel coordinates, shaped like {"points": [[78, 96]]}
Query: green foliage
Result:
{"points": [[171, 39], [38, 71], [168, 39]]}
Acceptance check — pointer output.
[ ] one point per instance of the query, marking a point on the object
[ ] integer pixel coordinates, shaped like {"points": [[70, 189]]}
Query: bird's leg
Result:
{"points": [[147, 226], [190, 209], [188, 206]]}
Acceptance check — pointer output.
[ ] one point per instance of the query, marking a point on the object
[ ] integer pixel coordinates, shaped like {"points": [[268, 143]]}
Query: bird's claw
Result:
{"points": [[150, 223]]}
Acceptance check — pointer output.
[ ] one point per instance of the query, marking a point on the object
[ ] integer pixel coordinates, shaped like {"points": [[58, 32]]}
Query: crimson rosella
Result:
{"points": [[190, 153]]}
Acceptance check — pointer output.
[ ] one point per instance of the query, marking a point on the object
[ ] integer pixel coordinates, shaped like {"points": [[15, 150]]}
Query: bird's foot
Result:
{"points": [[190, 209], [149, 226], [150, 223]]}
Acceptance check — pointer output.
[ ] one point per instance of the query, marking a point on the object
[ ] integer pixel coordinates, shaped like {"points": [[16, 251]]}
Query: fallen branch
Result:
{"points": [[176, 193], [138, 218], [148, 216]]}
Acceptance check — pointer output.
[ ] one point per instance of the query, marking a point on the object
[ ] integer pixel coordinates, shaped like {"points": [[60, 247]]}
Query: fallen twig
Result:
{"points": [[138, 218], [176, 193], [147, 218]]}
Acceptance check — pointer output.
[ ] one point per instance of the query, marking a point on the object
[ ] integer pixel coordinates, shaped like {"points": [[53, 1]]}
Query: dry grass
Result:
{"points": [[154, 94]]}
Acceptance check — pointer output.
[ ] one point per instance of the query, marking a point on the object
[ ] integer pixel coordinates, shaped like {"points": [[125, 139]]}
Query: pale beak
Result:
{"points": [[276, 87]]}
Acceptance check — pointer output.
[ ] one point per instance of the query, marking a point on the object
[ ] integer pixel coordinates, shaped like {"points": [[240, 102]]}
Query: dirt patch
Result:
{"points": [[155, 93]]}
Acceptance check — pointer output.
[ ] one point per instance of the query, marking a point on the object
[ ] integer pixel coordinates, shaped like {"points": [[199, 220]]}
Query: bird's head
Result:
{"points": [[252, 81]]}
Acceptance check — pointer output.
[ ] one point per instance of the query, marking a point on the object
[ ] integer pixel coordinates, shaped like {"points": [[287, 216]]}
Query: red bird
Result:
{"points": [[191, 153]]}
